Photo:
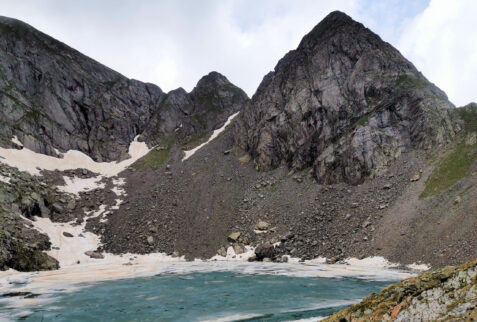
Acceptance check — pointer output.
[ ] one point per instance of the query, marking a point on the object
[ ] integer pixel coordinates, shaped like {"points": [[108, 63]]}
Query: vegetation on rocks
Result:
{"points": [[449, 293], [156, 157], [450, 169], [21, 247], [21, 257], [456, 164]]}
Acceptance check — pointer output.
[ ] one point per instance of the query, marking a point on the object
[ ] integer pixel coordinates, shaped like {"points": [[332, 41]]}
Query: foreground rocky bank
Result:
{"points": [[446, 294]]}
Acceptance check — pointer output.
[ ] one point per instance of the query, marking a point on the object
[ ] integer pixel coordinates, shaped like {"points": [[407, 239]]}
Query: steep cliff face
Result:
{"points": [[345, 103], [189, 116], [54, 97]]}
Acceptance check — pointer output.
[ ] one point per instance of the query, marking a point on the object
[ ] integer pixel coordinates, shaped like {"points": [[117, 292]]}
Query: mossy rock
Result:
{"points": [[399, 295], [23, 258]]}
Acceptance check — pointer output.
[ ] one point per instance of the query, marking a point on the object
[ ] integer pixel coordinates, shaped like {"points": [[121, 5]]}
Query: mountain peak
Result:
{"points": [[319, 104], [338, 16], [334, 22], [212, 78]]}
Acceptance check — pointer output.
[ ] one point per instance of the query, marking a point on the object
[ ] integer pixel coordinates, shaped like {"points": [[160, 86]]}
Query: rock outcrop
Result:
{"points": [[22, 248], [55, 98], [345, 103], [190, 116], [447, 294]]}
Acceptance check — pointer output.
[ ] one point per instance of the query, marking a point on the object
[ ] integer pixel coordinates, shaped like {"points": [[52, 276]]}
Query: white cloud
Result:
{"points": [[442, 43]]}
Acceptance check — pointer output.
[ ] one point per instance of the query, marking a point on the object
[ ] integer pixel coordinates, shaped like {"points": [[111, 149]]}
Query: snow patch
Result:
{"points": [[317, 260], [16, 141], [76, 185], [118, 184], [69, 250], [419, 267], [375, 262], [231, 256], [32, 162], [216, 133]]}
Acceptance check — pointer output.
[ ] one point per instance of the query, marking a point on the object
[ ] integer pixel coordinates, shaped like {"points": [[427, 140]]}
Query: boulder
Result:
{"points": [[71, 204], [233, 237], [261, 225], [265, 250], [93, 254], [222, 251], [366, 224], [57, 207], [67, 234], [238, 249]]}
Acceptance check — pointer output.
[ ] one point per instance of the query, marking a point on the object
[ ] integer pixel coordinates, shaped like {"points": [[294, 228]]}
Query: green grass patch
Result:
{"points": [[469, 115], [152, 160], [156, 157], [411, 81], [454, 166], [195, 141], [363, 120]]}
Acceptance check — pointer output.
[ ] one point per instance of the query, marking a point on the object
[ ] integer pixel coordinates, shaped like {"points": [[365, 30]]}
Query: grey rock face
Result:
{"points": [[345, 103], [188, 116], [54, 97]]}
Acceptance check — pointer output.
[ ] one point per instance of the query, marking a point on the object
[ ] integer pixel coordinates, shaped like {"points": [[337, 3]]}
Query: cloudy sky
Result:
{"points": [[172, 43]]}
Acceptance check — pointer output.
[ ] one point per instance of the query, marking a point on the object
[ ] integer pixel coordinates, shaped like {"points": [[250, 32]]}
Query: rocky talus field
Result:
{"points": [[345, 151]]}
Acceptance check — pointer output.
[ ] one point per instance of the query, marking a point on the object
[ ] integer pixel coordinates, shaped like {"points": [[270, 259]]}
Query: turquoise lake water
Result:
{"points": [[205, 296]]}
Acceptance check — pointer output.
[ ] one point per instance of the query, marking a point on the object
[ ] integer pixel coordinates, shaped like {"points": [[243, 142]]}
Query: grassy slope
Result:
{"points": [[455, 164], [156, 157]]}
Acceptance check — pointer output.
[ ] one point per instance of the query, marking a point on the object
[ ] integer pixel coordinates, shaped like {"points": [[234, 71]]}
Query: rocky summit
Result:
{"points": [[190, 116], [345, 151], [345, 103]]}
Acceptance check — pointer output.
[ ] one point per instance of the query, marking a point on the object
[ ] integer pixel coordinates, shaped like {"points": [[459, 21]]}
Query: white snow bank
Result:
{"points": [[76, 185], [32, 162], [375, 261], [232, 256], [216, 133], [16, 141], [381, 262], [118, 184], [419, 267], [69, 250]]}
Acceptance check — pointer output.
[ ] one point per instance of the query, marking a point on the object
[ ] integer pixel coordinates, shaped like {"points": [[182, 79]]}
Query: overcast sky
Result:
{"points": [[174, 43]]}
